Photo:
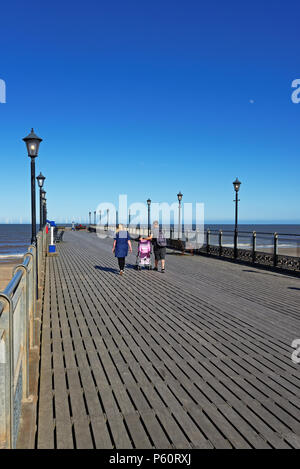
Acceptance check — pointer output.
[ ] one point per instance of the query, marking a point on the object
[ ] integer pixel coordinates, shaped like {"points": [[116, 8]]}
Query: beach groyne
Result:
{"points": [[20, 305]]}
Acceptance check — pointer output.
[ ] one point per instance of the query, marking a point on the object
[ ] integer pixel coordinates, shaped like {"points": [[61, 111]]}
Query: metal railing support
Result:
{"points": [[207, 241], [26, 334], [254, 247], [220, 242], [275, 253]]}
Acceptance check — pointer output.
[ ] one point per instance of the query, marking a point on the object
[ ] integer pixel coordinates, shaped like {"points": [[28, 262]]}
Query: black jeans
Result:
{"points": [[121, 261]]}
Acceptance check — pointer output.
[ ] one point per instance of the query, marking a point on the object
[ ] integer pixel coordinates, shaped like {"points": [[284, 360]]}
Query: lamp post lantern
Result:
{"points": [[33, 143], [149, 204], [179, 197], [236, 185], [41, 179]]}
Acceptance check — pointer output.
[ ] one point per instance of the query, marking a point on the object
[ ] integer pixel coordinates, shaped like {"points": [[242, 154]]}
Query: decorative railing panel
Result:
{"points": [[288, 262]]}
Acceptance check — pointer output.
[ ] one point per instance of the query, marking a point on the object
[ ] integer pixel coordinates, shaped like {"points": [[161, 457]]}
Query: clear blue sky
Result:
{"points": [[151, 97]]}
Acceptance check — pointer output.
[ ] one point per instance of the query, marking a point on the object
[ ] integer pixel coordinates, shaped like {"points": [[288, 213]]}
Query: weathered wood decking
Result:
{"points": [[198, 357]]}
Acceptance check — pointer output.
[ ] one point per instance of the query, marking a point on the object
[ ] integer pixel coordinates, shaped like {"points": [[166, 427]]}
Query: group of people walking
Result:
{"points": [[122, 243]]}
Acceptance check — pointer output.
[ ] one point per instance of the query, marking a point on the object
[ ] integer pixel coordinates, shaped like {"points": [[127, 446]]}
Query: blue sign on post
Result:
{"points": [[52, 247]]}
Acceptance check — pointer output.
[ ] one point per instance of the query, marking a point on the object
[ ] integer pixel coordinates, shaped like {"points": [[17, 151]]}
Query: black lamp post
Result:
{"points": [[43, 196], [149, 204], [32, 143], [46, 211], [90, 222], [100, 217], [179, 197], [107, 211], [94, 217], [236, 185], [129, 217], [40, 179]]}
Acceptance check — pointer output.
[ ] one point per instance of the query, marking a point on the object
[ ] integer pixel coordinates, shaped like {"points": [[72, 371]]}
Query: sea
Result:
{"points": [[15, 239]]}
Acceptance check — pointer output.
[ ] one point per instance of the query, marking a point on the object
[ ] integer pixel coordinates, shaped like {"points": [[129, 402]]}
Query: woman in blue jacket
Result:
{"points": [[120, 247]]}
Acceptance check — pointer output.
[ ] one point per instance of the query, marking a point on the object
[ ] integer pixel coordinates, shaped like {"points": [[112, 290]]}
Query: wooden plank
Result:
{"points": [[248, 432], [158, 436], [83, 436], [119, 432], [174, 432], [62, 412], [137, 431], [228, 430], [100, 432]]}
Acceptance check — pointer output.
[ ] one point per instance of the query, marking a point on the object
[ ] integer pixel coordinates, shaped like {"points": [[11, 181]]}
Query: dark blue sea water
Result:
{"points": [[289, 235], [14, 240]]}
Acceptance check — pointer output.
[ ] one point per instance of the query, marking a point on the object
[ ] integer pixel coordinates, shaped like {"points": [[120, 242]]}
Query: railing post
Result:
{"points": [[4, 383], [5, 387], [43, 237], [220, 242], [26, 332], [38, 245], [31, 303], [207, 240], [32, 253], [41, 257], [26, 338], [253, 247], [275, 254]]}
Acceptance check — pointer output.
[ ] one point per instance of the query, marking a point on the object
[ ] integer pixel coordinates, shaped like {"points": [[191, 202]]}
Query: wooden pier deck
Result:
{"points": [[198, 357]]}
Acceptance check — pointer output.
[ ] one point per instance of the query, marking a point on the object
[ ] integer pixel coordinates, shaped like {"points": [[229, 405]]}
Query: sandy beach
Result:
{"points": [[6, 270]]}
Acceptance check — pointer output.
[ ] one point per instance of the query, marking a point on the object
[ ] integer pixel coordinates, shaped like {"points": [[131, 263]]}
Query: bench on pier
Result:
{"points": [[58, 236]]}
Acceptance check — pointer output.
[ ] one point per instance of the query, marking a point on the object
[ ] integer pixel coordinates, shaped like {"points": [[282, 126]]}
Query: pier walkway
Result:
{"points": [[198, 357]]}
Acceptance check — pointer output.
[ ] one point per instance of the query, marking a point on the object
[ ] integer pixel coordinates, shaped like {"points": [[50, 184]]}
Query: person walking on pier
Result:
{"points": [[159, 246], [120, 247]]}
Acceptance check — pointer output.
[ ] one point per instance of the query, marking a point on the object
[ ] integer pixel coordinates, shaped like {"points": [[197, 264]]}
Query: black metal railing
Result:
{"points": [[277, 250]]}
